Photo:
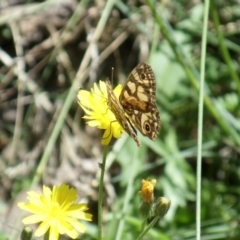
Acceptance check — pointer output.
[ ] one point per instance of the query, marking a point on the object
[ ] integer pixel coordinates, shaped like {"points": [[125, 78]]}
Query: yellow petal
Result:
{"points": [[42, 229]]}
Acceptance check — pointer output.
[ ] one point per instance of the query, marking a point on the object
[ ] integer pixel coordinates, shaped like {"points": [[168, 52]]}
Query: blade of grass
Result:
{"points": [[200, 120]]}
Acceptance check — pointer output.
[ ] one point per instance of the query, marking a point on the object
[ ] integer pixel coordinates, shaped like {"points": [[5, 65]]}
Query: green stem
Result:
{"points": [[144, 224], [100, 193], [200, 118], [148, 228]]}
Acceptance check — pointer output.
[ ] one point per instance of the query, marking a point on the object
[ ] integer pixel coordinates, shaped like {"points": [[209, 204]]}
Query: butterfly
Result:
{"points": [[136, 106]]}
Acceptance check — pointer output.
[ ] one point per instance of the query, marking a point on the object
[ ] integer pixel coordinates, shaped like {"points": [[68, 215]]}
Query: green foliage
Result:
{"points": [[42, 135]]}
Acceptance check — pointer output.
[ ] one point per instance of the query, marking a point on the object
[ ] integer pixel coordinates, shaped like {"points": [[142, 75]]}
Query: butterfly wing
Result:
{"points": [[119, 113], [138, 99]]}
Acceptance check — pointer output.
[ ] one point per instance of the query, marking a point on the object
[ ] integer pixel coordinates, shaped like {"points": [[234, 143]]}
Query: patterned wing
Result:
{"points": [[119, 113], [138, 99]]}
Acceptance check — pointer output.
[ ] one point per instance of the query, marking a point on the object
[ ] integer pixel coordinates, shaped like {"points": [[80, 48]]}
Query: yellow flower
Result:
{"points": [[98, 113], [147, 190], [57, 212]]}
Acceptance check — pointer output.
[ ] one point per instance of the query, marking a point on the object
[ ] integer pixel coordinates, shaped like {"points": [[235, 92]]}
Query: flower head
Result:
{"points": [[162, 206], [57, 212], [147, 190], [98, 113]]}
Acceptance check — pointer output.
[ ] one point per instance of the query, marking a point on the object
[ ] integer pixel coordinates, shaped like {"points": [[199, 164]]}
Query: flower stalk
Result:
{"points": [[100, 193]]}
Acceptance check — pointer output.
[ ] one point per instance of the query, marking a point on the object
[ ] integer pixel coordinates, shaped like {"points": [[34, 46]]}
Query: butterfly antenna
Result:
{"points": [[112, 75]]}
